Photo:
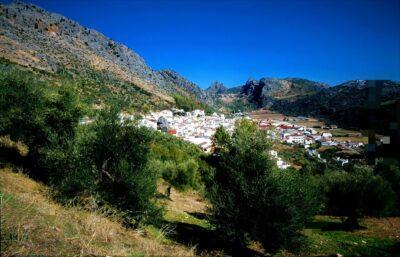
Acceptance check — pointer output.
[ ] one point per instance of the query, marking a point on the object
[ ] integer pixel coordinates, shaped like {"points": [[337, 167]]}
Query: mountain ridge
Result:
{"points": [[40, 40], [33, 37]]}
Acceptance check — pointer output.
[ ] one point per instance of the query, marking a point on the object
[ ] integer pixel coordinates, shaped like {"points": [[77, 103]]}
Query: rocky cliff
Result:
{"points": [[35, 38]]}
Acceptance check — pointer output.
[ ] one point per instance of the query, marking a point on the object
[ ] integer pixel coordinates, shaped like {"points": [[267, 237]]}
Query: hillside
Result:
{"points": [[37, 39], [348, 104], [184, 86], [40, 226], [263, 92], [217, 88]]}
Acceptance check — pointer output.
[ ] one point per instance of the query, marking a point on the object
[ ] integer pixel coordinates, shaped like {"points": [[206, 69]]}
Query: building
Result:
{"points": [[162, 124], [198, 113], [298, 139]]}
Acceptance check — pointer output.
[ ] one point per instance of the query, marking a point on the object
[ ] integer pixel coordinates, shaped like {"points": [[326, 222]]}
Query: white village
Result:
{"points": [[199, 128]]}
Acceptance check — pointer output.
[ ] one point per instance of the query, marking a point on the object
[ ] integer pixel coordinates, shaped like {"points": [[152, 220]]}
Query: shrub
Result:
{"points": [[313, 166], [176, 161], [253, 199], [356, 194]]}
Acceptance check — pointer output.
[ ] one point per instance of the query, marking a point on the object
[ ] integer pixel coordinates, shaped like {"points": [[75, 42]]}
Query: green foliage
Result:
{"points": [[42, 116], [390, 171], [251, 198], [239, 105], [357, 193], [109, 160], [104, 88], [329, 153], [181, 175], [189, 103], [221, 140], [95, 87], [177, 161], [295, 155], [313, 166]]}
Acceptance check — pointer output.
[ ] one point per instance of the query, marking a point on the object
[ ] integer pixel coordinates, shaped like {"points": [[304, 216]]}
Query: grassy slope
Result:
{"points": [[94, 87], [34, 224], [187, 217], [380, 237]]}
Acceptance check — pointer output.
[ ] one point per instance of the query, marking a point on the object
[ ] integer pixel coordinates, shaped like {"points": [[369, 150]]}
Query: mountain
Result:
{"points": [[348, 104], [263, 92], [234, 90], [216, 88], [358, 104], [56, 48], [39, 40], [187, 86]]}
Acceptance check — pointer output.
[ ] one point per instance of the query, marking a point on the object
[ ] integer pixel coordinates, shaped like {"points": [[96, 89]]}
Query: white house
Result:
{"points": [[166, 113], [298, 139], [326, 135], [273, 153], [342, 161], [282, 165], [197, 113]]}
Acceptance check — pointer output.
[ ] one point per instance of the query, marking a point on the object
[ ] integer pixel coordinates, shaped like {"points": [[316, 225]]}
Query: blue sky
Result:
{"points": [[233, 40]]}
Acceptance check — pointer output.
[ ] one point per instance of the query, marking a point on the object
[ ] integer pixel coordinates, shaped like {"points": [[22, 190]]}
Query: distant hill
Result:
{"points": [[347, 104], [234, 90], [264, 92], [36, 39], [216, 88]]}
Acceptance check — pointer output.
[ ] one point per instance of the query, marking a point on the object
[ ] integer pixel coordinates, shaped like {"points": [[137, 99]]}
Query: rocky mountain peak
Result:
{"points": [[216, 88]]}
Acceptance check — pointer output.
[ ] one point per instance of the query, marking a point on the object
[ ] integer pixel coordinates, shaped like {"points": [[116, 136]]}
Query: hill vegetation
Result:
{"points": [[58, 47], [112, 187], [34, 224], [118, 167], [373, 105]]}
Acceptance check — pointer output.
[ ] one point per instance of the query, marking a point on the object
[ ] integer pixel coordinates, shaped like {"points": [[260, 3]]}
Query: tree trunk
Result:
{"points": [[351, 222]]}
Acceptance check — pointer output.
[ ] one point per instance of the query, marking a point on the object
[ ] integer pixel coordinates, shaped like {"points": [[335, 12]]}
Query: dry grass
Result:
{"points": [[182, 206], [185, 201], [381, 228], [21, 148], [32, 224], [265, 114], [363, 140]]}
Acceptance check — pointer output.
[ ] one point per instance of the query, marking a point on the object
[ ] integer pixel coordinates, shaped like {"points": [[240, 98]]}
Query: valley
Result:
{"points": [[102, 154]]}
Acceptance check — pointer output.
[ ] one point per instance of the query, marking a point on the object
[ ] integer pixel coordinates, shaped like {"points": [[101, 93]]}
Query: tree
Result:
{"points": [[356, 194], [190, 103], [221, 140], [42, 116], [119, 152], [313, 166], [108, 160], [253, 199], [390, 171]]}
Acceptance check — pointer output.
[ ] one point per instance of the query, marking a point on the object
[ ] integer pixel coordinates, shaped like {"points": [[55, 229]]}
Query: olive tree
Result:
{"points": [[251, 197]]}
